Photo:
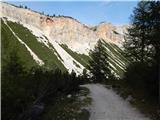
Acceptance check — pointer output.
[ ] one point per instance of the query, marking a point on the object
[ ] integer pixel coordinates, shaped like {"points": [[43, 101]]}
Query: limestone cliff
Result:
{"points": [[111, 33], [65, 30]]}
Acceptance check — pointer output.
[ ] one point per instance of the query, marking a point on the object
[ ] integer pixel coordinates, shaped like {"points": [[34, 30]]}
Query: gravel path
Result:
{"points": [[107, 105]]}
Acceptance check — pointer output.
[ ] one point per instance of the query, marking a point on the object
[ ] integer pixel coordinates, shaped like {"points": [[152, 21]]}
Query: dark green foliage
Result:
{"points": [[81, 58], [68, 108], [116, 58], [84, 78], [9, 43], [99, 66], [141, 82], [143, 36], [44, 53], [85, 75], [143, 78], [15, 96], [23, 89], [115, 32], [143, 46]]}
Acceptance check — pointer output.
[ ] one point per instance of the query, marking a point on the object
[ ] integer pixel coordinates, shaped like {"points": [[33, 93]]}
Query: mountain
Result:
{"points": [[58, 41], [111, 33]]}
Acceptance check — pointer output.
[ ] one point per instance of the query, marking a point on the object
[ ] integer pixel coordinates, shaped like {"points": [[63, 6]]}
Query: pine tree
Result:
{"points": [[142, 41], [143, 38], [25, 7], [14, 95], [99, 66], [136, 39]]}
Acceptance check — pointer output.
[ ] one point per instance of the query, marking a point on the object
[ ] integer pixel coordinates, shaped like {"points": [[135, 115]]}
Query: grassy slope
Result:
{"points": [[81, 58], [43, 52], [116, 58], [70, 107], [9, 43], [116, 55]]}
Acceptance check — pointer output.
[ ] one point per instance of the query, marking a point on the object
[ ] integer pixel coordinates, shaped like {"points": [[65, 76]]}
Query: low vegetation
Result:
{"points": [[43, 52], [142, 46], [68, 107], [81, 58], [27, 92], [10, 43]]}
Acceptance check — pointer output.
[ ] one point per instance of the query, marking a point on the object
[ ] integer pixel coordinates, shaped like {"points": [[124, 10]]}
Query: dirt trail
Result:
{"points": [[107, 105]]}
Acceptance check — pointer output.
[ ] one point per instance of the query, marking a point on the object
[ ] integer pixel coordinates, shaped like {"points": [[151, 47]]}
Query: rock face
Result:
{"points": [[111, 33], [65, 30]]}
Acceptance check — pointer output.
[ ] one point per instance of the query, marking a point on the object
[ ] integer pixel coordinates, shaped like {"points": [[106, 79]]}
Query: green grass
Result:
{"points": [[64, 108], [81, 58], [116, 58], [76, 64], [43, 52], [9, 43], [118, 70], [116, 55], [117, 52]]}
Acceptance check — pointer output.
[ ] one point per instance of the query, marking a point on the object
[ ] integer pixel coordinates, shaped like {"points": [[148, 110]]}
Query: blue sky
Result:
{"points": [[91, 13]]}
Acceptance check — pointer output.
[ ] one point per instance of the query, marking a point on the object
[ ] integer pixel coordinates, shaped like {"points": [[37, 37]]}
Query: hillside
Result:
{"points": [[58, 42], [53, 67]]}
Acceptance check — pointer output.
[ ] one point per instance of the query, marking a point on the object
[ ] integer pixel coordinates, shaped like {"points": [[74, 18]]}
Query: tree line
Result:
{"points": [[26, 92], [42, 13], [142, 45]]}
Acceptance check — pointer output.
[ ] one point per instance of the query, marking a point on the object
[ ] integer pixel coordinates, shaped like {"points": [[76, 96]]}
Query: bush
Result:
{"points": [[143, 78], [23, 90]]}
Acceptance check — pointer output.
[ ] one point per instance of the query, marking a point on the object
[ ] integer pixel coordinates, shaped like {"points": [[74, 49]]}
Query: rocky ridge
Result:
{"points": [[66, 30]]}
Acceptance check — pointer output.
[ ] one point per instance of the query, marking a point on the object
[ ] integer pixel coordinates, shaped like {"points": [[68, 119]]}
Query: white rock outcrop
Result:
{"points": [[65, 30]]}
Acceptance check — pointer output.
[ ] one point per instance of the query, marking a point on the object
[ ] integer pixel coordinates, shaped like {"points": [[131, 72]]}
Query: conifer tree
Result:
{"points": [[143, 38], [142, 41], [99, 66]]}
